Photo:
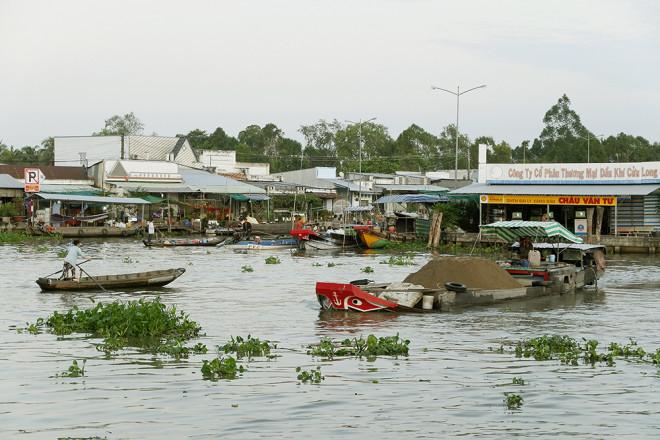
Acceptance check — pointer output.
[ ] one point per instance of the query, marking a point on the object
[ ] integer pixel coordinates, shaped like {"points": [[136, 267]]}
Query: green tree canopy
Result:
{"points": [[122, 125]]}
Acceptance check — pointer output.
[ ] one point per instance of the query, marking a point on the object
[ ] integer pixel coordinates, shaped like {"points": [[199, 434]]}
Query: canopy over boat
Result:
{"points": [[513, 230]]}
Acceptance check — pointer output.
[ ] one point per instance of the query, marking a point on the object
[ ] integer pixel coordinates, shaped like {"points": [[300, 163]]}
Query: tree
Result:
{"points": [[447, 148], [417, 149], [320, 142], [128, 124], [38, 154]]}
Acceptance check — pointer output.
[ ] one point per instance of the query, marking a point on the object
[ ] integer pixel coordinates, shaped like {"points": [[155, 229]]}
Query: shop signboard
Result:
{"points": [[573, 173], [580, 226], [504, 199], [32, 179]]}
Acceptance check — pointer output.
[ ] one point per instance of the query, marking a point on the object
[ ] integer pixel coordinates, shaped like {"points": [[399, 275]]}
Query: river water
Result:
{"points": [[452, 384]]}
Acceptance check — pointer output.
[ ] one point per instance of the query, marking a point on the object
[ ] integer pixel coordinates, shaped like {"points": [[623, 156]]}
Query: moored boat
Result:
{"points": [[370, 238], [172, 242], [154, 278], [86, 231], [309, 239], [262, 245]]}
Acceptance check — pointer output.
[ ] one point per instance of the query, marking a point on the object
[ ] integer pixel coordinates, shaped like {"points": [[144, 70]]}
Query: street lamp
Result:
{"points": [[458, 94], [588, 146], [359, 124]]}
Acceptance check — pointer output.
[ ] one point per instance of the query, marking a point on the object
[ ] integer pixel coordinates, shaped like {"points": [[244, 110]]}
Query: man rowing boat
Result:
{"points": [[71, 261]]}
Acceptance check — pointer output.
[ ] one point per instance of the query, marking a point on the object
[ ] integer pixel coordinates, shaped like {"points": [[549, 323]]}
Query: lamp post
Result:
{"points": [[588, 144], [458, 94], [359, 124]]}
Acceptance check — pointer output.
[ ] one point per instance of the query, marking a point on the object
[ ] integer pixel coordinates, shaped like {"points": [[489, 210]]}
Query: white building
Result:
{"points": [[88, 150], [224, 162]]}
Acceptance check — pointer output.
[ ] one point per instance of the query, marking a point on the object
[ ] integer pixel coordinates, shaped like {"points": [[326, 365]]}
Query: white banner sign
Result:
{"points": [[574, 173]]}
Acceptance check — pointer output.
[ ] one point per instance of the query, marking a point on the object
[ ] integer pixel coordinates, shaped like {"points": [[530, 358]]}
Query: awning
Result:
{"points": [[359, 208], [513, 230], [412, 198], [93, 199], [152, 199], [80, 190], [560, 190], [239, 197]]}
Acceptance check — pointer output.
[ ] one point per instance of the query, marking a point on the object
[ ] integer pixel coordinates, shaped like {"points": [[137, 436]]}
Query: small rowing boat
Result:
{"points": [[154, 278], [171, 242]]}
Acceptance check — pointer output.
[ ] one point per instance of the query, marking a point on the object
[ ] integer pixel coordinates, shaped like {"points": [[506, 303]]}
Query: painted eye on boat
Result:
{"points": [[356, 302]]}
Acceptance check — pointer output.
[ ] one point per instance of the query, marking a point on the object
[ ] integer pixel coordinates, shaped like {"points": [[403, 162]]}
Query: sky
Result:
{"points": [[67, 65]]}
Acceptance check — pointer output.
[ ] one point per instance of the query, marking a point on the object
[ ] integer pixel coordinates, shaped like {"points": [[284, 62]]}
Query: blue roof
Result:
{"points": [[412, 198]]}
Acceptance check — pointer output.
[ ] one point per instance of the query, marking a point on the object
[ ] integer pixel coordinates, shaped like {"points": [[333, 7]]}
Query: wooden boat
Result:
{"points": [[154, 278], [308, 239], [172, 242], [370, 238], [264, 245], [86, 231]]}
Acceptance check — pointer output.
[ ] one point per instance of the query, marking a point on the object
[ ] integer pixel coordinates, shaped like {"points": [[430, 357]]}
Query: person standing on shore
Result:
{"points": [[151, 230], [71, 260]]}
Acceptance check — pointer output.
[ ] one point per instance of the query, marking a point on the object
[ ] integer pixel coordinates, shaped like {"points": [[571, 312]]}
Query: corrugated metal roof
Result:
{"points": [[412, 198], [6, 181], [427, 188], [50, 171], [559, 190], [69, 189], [206, 182], [93, 199]]}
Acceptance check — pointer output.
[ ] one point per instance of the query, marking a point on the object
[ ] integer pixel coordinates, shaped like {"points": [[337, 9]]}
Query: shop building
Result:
{"points": [[587, 198]]}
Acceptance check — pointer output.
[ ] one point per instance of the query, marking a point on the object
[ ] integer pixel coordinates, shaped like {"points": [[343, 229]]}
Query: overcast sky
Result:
{"points": [[66, 66]]}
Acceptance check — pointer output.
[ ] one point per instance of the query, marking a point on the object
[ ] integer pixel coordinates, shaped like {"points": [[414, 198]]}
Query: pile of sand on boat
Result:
{"points": [[475, 273]]}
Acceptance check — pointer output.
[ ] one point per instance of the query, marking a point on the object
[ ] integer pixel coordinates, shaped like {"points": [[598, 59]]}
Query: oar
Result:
{"points": [[63, 269], [91, 277]]}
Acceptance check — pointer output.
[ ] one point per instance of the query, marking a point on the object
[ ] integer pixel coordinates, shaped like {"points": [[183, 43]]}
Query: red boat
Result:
{"points": [[340, 296]]}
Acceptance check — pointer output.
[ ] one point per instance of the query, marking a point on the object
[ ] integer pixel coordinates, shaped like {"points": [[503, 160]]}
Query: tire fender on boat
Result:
{"points": [[124, 233], [455, 287], [81, 231], [104, 231]]}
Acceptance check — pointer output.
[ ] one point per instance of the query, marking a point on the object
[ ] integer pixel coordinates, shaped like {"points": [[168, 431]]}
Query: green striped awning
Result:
{"points": [[513, 230]]}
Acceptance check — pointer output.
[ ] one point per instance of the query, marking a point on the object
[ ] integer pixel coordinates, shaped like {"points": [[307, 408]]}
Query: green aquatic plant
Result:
{"points": [[317, 264], [247, 268], [221, 368], [513, 401], [400, 260], [310, 376], [518, 381], [272, 260], [13, 237], [332, 264], [143, 323], [74, 370], [247, 347], [369, 347], [129, 260], [62, 253], [367, 269], [569, 351]]}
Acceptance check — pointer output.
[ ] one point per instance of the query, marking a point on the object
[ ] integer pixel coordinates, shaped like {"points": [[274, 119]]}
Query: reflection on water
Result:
{"points": [[452, 384]]}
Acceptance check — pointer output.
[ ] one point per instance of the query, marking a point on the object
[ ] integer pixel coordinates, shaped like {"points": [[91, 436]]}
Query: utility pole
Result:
{"points": [[359, 124]]}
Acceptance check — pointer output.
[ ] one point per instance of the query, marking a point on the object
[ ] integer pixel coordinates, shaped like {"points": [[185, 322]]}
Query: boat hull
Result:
{"points": [[155, 278], [264, 245], [371, 240], [173, 242], [89, 231], [349, 297]]}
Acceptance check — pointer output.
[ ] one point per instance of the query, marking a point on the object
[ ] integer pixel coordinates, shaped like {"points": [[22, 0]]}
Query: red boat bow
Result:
{"points": [[341, 296]]}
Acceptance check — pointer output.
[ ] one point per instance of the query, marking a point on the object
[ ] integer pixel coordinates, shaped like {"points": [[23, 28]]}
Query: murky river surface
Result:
{"points": [[451, 385]]}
